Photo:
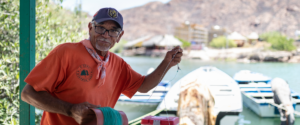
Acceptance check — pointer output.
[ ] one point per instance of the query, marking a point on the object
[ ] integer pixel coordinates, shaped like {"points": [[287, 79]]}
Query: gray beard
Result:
{"points": [[102, 48]]}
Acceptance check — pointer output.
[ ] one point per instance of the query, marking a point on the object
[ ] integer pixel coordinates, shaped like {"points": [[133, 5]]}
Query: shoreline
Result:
{"points": [[244, 55]]}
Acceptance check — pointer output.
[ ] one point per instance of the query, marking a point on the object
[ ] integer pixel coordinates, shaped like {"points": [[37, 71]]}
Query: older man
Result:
{"points": [[77, 76]]}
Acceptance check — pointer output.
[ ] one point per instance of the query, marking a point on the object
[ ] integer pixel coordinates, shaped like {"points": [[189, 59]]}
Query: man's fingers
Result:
{"points": [[89, 105], [88, 115], [170, 54], [177, 60], [93, 106], [82, 112], [178, 55], [88, 118], [173, 52], [177, 49]]}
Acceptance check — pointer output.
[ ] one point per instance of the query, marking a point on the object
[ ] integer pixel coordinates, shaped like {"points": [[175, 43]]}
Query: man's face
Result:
{"points": [[103, 42]]}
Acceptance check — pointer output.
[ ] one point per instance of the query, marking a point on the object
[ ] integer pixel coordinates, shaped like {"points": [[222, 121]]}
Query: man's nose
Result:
{"points": [[105, 34]]}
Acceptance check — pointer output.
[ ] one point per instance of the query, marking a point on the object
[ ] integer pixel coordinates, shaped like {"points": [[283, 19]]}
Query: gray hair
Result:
{"points": [[94, 22]]}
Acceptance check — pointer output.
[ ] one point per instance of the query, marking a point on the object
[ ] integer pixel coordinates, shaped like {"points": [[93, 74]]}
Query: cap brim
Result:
{"points": [[106, 19]]}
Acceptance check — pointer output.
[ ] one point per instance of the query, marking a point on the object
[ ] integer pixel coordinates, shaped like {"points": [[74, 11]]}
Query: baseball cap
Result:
{"points": [[108, 13]]}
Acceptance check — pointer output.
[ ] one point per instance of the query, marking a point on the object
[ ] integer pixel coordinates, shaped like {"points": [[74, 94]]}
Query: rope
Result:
{"points": [[160, 81], [111, 116], [281, 107]]}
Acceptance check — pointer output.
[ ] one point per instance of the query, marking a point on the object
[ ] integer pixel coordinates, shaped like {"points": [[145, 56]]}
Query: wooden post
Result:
{"points": [[27, 55]]}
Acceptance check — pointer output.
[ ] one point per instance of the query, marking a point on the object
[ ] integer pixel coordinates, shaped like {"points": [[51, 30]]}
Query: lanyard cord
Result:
{"points": [[165, 88]]}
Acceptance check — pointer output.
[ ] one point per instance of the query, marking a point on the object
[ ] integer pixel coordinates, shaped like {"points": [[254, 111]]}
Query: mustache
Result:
{"points": [[103, 39]]}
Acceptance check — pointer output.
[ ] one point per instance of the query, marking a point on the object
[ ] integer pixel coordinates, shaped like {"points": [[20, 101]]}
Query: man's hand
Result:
{"points": [[178, 51], [82, 112], [154, 78]]}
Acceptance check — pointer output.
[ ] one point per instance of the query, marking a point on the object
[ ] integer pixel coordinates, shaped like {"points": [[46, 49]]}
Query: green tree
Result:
{"points": [[118, 48], [266, 36], [54, 26], [220, 42], [278, 41], [185, 43]]}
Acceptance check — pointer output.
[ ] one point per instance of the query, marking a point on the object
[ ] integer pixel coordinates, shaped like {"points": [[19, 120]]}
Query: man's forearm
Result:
{"points": [[45, 101], [154, 78], [172, 58]]}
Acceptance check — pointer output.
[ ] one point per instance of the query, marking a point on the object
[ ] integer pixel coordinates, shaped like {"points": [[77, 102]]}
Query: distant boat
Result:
{"points": [[226, 93], [246, 76], [143, 102], [257, 93], [152, 97]]}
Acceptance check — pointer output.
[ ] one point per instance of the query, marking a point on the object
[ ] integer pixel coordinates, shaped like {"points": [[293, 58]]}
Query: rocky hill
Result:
{"points": [[244, 16]]}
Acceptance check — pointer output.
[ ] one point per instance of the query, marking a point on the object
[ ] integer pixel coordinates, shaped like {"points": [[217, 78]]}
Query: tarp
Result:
{"points": [[253, 35], [162, 40], [236, 36], [196, 105], [136, 42]]}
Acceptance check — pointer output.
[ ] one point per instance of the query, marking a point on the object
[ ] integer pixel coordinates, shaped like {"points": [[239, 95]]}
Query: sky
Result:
{"points": [[92, 6]]}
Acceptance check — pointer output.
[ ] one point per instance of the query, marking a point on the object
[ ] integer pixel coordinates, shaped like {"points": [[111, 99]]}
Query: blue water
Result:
{"points": [[287, 71]]}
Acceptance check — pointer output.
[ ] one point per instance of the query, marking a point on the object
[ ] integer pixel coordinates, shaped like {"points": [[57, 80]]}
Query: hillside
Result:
{"points": [[244, 16]]}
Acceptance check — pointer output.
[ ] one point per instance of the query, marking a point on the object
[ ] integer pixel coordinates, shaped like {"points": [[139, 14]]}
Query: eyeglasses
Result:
{"points": [[102, 30]]}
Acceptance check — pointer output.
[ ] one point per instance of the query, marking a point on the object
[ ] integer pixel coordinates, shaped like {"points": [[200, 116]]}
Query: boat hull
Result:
{"points": [[264, 109], [226, 93], [134, 110], [227, 118]]}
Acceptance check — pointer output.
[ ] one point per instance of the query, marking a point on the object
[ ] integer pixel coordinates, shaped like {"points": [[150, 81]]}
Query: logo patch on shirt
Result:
{"points": [[84, 73]]}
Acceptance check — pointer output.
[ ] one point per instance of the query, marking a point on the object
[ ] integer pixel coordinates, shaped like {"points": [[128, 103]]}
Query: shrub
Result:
{"points": [[118, 48], [268, 35], [278, 41], [53, 26], [220, 42], [185, 44]]}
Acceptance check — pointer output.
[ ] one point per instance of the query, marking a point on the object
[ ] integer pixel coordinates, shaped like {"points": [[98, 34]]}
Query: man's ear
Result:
{"points": [[119, 38], [90, 27]]}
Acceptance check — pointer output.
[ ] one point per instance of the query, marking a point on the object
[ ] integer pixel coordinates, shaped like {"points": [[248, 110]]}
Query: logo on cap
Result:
{"points": [[112, 13]]}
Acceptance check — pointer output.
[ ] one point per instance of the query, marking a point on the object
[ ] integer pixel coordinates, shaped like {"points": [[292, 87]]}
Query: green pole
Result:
{"points": [[27, 55]]}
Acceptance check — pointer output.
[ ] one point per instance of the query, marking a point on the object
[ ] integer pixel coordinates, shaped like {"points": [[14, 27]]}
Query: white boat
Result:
{"points": [[142, 103], [152, 97], [246, 76], [226, 93], [257, 93]]}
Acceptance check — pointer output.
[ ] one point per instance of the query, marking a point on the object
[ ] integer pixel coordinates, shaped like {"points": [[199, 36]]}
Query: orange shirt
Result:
{"points": [[69, 74]]}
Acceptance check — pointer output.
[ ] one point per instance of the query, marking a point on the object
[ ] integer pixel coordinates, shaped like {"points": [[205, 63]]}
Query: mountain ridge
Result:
{"points": [[243, 16]]}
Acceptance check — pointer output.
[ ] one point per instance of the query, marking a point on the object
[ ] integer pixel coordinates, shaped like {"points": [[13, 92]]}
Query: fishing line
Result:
{"points": [[168, 82]]}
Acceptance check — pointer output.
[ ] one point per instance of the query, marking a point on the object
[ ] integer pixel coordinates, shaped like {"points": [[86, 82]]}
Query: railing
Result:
{"points": [[137, 121]]}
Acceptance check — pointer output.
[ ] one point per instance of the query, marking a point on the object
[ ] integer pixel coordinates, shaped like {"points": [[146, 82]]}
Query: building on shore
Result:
{"points": [[215, 32], [135, 47], [196, 34], [297, 34], [239, 39], [253, 38], [151, 46]]}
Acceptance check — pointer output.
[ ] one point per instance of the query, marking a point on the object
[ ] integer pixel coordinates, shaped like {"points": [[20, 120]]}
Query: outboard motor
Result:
{"points": [[282, 97]]}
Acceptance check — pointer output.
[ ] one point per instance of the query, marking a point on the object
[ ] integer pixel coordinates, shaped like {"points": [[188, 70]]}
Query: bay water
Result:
{"points": [[287, 71]]}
